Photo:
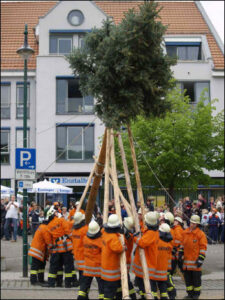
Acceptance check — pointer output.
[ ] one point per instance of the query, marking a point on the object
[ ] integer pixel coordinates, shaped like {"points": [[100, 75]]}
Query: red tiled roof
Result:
{"points": [[181, 18]]}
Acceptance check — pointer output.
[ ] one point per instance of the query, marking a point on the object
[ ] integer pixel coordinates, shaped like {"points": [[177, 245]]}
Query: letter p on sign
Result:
{"points": [[24, 157]]}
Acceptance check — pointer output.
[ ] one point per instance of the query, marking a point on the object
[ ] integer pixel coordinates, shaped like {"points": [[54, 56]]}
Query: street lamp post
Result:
{"points": [[25, 52]]}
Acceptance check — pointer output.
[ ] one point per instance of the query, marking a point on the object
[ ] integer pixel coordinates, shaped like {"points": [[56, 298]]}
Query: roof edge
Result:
{"points": [[211, 26]]}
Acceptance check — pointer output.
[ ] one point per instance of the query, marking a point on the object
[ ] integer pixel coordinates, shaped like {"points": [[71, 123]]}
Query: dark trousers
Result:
{"points": [[171, 290], [161, 286], [56, 261], [213, 233], [132, 291], [37, 271], [111, 289], [7, 228], [193, 283], [85, 287], [139, 282]]}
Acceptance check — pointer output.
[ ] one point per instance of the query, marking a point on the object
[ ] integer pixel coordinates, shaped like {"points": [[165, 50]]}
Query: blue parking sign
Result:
{"points": [[25, 158]]}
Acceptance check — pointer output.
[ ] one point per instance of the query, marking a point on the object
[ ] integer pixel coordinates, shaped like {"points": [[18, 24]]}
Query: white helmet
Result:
{"points": [[129, 223], [195, 219], [78, 217], [77, 203], [169, 216], [113, 221], [145, 212], [164, 227], [151, 218], [59, 215], [93, 228], [178, 219]]}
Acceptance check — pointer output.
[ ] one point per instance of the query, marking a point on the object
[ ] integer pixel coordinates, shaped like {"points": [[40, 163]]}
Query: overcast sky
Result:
{"points": [[215, 11]]}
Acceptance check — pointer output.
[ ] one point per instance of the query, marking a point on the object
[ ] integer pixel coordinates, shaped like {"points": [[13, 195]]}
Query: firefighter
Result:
{"points": [[72, 211], [79, 231], [191, 256], [61, 247], [178, 231], [148, 242], [158, 280], [39, 253], [92, 261], [128, 230], [110, 259], [171, 289]]}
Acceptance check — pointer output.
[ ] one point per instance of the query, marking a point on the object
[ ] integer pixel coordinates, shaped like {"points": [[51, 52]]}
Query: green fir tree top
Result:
{"points": [[125, 68]]}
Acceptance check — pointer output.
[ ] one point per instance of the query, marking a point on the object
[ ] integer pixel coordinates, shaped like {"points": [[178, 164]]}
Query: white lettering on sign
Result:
{"points": [[71, 181], [24, 157]]}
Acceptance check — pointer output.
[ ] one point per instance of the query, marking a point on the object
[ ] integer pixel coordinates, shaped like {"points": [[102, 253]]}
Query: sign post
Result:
{"points": [[25, 172]]}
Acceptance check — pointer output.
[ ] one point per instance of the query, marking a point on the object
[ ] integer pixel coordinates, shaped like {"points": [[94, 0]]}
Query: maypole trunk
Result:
{"points": [[123, 265], [135, 215], [96, 183]]}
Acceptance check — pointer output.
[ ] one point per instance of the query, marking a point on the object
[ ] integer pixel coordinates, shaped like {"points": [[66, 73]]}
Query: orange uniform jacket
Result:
{"points": [[59, 228], [92, 256], [193, 243], [164, 252], [129, 244], [78, 245], [72, 213], [38, 247], [110, 259], [178, 233], [148, 242]]}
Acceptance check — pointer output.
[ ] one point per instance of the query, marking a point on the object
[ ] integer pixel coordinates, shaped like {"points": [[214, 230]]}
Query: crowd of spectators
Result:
{"points": [[211, 213]]}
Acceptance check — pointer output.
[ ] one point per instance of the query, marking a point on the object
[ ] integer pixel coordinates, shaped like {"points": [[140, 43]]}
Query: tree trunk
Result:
{"points": [[96, 183], [171, 204]]}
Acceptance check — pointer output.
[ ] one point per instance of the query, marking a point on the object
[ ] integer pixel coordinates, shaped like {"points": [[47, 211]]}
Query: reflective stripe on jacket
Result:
{"points": [[92, 256], [78, 246], [110, 258], [148, 242], [164, 251], [38, 247], [194, 243]]}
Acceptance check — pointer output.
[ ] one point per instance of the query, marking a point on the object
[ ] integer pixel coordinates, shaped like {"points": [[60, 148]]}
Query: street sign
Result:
{"points": [[25, 159], [25, 184], [25, 174]]}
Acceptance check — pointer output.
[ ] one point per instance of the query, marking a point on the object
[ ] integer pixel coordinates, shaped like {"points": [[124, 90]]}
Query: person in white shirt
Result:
{"points": [[65, 213], [11, 217]]}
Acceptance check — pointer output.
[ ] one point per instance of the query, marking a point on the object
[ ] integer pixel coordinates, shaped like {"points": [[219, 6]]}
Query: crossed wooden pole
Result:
{"points": [[102, 166]]}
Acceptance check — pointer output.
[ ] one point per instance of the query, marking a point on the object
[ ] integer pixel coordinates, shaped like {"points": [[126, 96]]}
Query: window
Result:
{"points": [[69, 99], [75, 17], [194, 90], [81, 41], [75, 143], [60, 44], [5, 100], [5, 182], [19, 100], [5, 154], [184, 51], [19, 138]]}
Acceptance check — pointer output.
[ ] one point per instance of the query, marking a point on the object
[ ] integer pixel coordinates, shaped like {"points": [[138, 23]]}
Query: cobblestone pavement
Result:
{"points": [[14, 286]]}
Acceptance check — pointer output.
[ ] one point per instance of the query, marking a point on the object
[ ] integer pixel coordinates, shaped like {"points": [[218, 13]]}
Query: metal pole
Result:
{"points": [[25, 245]]}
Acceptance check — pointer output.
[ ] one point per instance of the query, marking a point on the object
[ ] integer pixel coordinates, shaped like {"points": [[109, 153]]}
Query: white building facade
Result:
{"points": [[62, 125]]}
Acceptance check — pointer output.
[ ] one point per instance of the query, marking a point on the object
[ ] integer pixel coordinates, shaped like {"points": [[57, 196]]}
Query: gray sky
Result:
{"points": [[215, 11]]}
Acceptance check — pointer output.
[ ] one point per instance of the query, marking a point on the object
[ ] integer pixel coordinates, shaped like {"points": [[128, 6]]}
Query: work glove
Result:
{"points": [[200, 261], [137, 233]]}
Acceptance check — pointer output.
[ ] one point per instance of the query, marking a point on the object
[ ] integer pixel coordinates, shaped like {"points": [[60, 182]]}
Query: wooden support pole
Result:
{"points": [[123, 265], [124, 200], [141, 198], [96, 182], [106, 183]]}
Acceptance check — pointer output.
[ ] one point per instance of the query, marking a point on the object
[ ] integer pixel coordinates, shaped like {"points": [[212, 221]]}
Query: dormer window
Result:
{"points": [[184, 50], [61, 44]]}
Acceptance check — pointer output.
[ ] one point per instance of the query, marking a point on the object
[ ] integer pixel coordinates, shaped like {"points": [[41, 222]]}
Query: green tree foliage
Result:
{"points": [[124, 67], [179, 146]]}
